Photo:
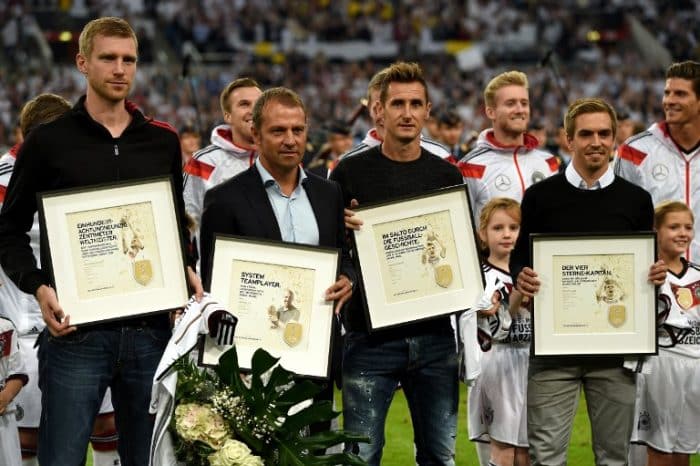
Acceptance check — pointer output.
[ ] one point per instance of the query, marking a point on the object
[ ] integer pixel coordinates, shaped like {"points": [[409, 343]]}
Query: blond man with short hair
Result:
{"points": [[505, 160], [102, 139]]}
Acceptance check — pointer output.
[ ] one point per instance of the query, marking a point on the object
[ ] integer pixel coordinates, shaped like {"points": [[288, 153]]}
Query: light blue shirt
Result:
{"points": [[294, 213], [575, 179]]}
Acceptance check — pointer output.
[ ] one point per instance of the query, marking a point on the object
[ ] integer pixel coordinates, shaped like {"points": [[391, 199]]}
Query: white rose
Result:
{"points": [[252, 460], [232, 453]]}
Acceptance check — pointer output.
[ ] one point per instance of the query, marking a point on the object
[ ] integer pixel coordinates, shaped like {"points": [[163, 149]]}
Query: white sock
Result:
{"points": [[30, 461], [105, 458], [638, 455], [483, 452]]}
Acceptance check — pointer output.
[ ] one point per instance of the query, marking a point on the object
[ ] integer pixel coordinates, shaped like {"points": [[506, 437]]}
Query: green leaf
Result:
{"points": [[229, 372], [262, 361], [278, 378], [300, 391], [337, 458], [320, 411]]}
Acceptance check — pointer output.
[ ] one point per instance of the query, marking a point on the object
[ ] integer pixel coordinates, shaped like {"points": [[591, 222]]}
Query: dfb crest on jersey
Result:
{"points": [[644, 422], [487, 415]]}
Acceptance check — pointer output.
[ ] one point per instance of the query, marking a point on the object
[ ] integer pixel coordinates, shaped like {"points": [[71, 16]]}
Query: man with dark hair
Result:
{"points": [[422, 357], [102, 139], [449, 129], [275, 199], [190, 141], [665, 159], [586, 198], [375, 135], [338, 142], [232, 148]]}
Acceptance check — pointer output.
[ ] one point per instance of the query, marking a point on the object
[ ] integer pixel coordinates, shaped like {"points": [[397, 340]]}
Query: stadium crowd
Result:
{"points": [[250, 181], [615, 70]]}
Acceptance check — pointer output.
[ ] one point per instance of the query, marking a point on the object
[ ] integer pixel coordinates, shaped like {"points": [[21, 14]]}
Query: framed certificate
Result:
{"points": [[418, 257], [276, 290], [116, 250], [595, 297]]}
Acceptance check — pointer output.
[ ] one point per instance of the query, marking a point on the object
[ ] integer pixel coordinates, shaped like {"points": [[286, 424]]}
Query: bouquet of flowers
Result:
{"points": [[220, 420]]}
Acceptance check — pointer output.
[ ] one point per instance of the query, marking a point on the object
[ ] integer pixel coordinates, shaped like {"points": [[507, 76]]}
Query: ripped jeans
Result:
{"points": [[426, 366]]}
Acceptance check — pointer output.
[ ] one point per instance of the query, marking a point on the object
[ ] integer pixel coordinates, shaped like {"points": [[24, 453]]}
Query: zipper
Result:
{"points": [[116, 154]]}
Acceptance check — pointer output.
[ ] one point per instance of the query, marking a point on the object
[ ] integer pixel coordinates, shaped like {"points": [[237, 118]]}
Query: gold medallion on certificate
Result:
{"points": [[292, 333], [143, 271], [617, 314], [443, 275]]}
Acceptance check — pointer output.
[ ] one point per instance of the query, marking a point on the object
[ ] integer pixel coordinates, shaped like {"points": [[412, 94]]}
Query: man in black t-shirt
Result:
{"points": [[586, 198], [422, 357]]}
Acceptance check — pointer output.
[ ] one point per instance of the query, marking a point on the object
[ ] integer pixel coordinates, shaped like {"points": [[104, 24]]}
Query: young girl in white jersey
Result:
{"points": [[668, 396], [497, 400]]}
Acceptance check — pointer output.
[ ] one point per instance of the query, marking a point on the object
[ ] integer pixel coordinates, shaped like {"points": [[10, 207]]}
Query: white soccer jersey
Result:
{"points": [[21, 308], [679, 313], [493, 170], [10, 366], [653, 161], [501, 327], [211, 166], [497, 406], [667, 410]]}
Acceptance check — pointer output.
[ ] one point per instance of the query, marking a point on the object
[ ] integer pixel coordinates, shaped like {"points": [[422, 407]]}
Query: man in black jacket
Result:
{"points": [[275, 199], [103, 139], [420, 355]]}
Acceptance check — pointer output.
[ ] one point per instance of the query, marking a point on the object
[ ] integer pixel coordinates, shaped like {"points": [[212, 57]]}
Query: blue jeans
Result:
{"points": [[426, 367], [75, 371]]}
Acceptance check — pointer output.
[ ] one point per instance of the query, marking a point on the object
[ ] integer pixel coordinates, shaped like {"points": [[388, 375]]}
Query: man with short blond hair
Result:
{"points": [[103, 139], [420, 356], [232, 149], [506, 159]]}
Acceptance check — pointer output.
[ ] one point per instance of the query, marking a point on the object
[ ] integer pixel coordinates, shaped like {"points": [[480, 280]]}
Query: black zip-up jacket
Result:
{"points": [[71, 152]]}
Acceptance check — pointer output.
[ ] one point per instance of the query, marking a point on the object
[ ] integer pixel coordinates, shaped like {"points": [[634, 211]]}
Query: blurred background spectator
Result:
{"points": [[327, 51]]}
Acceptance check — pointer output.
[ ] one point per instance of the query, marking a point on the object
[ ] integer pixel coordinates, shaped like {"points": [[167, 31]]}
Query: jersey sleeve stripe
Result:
{"points": [[553, 164], [471, 170], [198, 169], [631, 154]]}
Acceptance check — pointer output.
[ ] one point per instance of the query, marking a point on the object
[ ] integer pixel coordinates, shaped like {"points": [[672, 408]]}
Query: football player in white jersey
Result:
{"points": [[231, 151], [665, 159], [505, 160]]}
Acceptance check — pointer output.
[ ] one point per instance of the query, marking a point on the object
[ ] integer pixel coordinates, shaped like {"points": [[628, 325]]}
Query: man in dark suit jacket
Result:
{"points": [[275, 199]]}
